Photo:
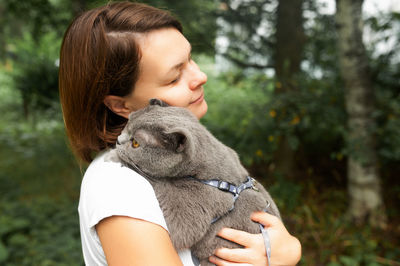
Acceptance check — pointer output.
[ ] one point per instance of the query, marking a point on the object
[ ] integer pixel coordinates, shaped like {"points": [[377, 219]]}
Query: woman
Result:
{"points": [[113, 60]]}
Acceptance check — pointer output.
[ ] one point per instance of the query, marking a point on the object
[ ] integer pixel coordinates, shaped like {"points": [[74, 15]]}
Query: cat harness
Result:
{"points": [[233, 189], [229, 187], [236, 190]]}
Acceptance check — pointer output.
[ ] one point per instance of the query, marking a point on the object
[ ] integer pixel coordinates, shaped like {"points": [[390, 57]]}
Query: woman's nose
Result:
{"points": [[197, 77]]}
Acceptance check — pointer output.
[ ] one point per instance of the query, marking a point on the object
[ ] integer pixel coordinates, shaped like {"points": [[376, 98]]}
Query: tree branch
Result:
{"points": [[244, 64]]}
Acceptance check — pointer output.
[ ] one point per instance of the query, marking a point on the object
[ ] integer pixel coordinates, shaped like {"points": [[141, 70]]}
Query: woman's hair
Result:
{"points": [[99, 57]]}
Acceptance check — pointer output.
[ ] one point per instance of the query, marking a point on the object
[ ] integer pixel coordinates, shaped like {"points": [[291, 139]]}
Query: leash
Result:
{"points": [[267, 241]]}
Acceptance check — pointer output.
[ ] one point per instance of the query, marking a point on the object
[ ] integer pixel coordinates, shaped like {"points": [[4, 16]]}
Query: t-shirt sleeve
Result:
{"points": [[108, 189]]}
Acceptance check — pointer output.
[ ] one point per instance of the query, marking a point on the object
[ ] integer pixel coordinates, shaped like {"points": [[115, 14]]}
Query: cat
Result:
{"points": [[176, 153]]}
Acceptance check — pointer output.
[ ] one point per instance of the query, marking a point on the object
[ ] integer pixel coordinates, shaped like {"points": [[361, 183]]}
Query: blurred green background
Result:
{"points": [[275, 95]]}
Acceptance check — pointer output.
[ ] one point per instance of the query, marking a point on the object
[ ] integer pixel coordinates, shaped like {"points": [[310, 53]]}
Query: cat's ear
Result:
{"points": [[123, 137], [130, 116], [159, 102], [146, 137], [180, 141], [183, 140]]}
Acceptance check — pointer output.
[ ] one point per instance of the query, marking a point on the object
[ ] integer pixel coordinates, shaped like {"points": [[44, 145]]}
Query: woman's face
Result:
{"points": [[168, 73]]}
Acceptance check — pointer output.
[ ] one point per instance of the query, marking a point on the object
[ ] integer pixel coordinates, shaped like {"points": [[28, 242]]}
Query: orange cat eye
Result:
{"points": [[135, 144]]}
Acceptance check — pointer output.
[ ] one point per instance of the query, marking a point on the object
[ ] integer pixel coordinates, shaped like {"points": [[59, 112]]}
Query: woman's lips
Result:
{"points": [[198, 99]]}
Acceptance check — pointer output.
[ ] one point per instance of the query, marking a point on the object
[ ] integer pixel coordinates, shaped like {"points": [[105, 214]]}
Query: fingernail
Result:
{"points": [[221, 231]]}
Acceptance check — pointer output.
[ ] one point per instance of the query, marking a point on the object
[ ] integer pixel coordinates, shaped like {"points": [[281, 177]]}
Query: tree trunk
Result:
{"points": [[289, 41], [363, 176], [2, 34], [289, 45]]}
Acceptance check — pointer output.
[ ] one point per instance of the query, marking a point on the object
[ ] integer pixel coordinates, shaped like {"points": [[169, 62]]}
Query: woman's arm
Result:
{"points": [[129, 241], [285, 248]]}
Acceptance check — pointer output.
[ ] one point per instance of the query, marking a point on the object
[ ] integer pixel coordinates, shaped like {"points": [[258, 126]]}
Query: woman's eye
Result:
{"points": [[135, 144], [175, 80]]}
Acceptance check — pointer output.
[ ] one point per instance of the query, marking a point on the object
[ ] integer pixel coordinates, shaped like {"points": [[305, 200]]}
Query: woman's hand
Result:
{"points": [[285, 248]]}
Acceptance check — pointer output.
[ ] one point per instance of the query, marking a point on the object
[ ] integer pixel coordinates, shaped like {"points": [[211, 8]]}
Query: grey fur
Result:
{"points": [[173, 146]]}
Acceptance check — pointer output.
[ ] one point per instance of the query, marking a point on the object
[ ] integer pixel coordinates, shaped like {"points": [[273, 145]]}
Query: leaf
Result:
{"points": [[3, 252], [293, 142], [347, 260], [8, 224]]}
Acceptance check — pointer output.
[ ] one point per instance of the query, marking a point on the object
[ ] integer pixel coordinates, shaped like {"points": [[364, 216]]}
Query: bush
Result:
{"points": [[248, 116], [43, 231], [39, 188], [40, 185], [35, 72]]}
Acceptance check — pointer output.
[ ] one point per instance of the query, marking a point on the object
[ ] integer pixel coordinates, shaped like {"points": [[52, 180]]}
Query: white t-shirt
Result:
{"points": [[108, 189]]}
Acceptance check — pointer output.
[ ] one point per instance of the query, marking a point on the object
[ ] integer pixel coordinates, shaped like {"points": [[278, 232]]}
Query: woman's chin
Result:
{"points": [[199, 110]]}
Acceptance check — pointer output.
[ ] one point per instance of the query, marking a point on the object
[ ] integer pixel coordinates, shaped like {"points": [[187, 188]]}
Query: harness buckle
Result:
{"points": [[253, 185], [223, 185]]}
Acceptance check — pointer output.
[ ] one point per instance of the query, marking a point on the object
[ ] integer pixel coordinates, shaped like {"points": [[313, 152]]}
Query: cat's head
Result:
{"points": [[156, 140]]}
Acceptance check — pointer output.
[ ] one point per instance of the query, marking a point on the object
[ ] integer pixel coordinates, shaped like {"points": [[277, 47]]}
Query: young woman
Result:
{"points": [[113, 60]]}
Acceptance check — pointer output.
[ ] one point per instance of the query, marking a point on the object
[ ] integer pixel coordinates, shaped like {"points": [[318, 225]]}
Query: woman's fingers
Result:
{"points": [[253, 252], [265, 219], [220, 262], [242, 238], [285, 248], [237, 254]]}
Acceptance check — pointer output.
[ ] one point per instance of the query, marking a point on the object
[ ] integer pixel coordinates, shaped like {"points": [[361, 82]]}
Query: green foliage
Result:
{"points": [[385, 72], [35, 71], [233, 116], [43, 231], [40, 180], [40, 184], [320, 51], [327, 237], [316, 216], [249, 116], [198, 19], [388, 128], [39, 188], [38, 17], [286, 193], [10, 98], [248, 25]]}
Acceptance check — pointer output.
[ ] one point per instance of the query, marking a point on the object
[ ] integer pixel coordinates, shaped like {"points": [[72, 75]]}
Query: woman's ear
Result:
{"points": [[117, 104]]}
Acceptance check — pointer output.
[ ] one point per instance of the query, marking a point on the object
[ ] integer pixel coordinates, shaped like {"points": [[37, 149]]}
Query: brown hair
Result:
{"points": [[99, 57]]}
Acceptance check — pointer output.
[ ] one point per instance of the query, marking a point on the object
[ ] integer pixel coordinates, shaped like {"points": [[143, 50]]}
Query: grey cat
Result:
{"points": [[170, 147]]}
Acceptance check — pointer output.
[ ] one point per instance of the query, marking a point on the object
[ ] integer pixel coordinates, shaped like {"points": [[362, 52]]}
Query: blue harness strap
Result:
{"points": [[229, 187]]}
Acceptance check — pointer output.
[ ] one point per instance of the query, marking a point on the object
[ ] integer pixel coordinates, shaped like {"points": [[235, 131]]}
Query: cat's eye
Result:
{"points": [[135, 144]]}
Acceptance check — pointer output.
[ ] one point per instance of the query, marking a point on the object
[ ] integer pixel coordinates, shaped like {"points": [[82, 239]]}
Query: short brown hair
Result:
{"points": [[99, 57]]}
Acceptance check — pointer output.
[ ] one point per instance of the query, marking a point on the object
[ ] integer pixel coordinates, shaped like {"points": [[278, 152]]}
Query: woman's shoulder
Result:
{"points": [[109, 188], [107, 171]]}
